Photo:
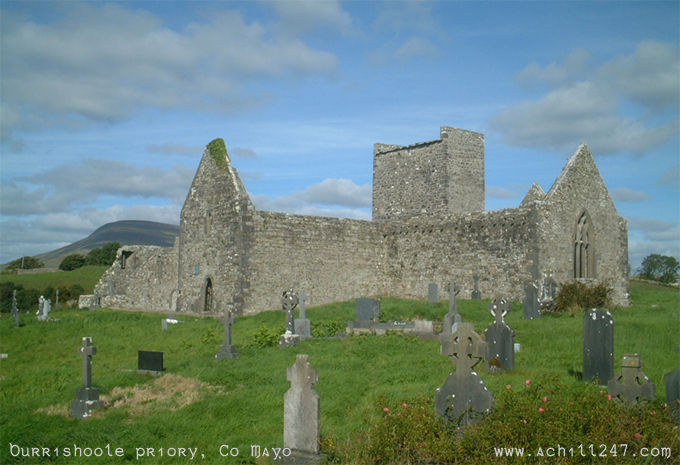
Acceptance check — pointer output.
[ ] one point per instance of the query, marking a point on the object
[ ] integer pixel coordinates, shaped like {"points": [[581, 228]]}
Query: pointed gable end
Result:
{"points": [[535, 193]]}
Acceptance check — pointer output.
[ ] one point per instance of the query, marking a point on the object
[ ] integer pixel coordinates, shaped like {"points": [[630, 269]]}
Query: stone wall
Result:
{"points": [[141, 278], [432, 179]]}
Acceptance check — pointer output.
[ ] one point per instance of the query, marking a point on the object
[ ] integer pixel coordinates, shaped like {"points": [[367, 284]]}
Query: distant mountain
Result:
{"points": [[126, 232]]}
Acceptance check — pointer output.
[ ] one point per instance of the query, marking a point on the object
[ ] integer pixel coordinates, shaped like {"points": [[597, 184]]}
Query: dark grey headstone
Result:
{"points": [[598, 345], [672, 381], [368, 309], [87, 397], [150, 362], [632, 384], [227, 350], [532, 308], [433, 293], [500, 338], [463, 399], [302, 410]]}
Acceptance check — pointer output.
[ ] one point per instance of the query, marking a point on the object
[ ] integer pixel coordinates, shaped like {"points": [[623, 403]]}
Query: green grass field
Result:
{"points": [[87, 276], [205, 404]]}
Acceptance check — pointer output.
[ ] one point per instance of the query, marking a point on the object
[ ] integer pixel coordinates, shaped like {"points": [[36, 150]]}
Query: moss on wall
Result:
{"points": [[218, 150]]}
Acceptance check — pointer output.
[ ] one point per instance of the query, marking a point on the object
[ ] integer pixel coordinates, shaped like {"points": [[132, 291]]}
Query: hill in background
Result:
{"points": [[128, 232]]}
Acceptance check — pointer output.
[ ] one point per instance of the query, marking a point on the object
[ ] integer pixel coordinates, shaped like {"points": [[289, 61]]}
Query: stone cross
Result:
{"points": [[500, 338], [463, 399], [476, 294], [632, 384], [227, 350], [302, 412], [87, 397], [289, 301], [548, 289], [598, 345], [672, 381], [532, 307], [15, 309], [452, 318]]}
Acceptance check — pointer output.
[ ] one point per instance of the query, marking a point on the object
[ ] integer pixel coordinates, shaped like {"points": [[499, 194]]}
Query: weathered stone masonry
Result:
{"points": [[429, 225]]}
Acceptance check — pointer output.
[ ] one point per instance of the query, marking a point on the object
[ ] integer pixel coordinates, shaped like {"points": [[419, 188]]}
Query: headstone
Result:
{"points": [[303, 326], [433, 293], [302, 412], [532, 307], [289, 301], [672, 381], [367, 309], [164, 324], [463, 399], [15, 309], [500, 338], [227, 350], [452, 318], [56, 303], [632, 384], [547, 291], [598, 345], [87, 397], [41, 304], [45, 308], [96, 301], [476, 294], [150, 362]]}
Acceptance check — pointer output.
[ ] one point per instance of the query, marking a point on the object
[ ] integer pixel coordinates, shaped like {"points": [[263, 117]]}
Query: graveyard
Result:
{"points": [[377, 390]]}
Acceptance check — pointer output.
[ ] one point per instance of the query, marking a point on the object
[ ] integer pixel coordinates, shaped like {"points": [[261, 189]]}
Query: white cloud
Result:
{"points": [[671, 177], [416, 47], [311, 15], [176, 149], [330, 197], [103, 62], [574, 65], [585, 106], [650, 235], [624, 194], [499, 192]]}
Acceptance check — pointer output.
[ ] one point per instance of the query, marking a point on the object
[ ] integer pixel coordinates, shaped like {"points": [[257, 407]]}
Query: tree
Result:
{"points": [[659, 268], [25, 263], [72, 262], [105, 255]]}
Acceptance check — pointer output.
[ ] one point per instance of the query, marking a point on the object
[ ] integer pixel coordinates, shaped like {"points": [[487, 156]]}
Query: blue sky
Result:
{"points": [[105, 107]]}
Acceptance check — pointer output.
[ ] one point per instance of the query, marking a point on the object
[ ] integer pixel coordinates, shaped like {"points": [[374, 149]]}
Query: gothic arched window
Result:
{"points": [[584, 255]]}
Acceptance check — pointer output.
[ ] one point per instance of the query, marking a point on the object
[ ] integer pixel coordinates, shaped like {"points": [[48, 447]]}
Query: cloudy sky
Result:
{"points": [[105, 107]]}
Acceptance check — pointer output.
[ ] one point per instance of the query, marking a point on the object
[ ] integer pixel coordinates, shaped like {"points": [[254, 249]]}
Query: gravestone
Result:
{"points": [[368, 309], [532, 307], [672, 382], [452, 318], [463, 399], [500, 338], [289, 301], [632, 384], [303, 326], [547, 290], [150, 362], [44, 309], [227, 350], [598, 345], [433, 293], [95, 303], [476, 294], [87, 397], [15, 309], [302, 413], [56, 303]]}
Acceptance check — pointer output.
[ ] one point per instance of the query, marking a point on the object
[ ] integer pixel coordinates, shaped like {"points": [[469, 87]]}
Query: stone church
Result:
{"points": [[429, 225]]}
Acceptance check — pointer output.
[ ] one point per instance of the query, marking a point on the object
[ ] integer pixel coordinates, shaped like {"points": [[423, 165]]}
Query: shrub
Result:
{"points": [[267, 336], [72, 262], [105, 255], [327, 328], [577, 296], [24, 263]]}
